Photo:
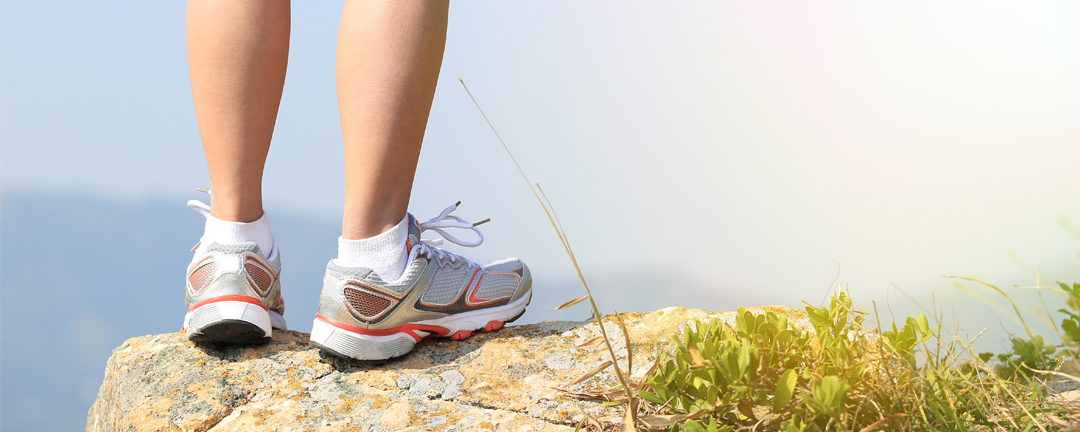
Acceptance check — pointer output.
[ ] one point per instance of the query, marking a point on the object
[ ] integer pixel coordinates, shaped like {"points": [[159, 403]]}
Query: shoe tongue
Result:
{"points": [[414, 232]]}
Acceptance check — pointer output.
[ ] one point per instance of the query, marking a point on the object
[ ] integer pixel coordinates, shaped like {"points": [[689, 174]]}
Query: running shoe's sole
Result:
{"points": [[232, 322], [347, 341], [230, 331]]}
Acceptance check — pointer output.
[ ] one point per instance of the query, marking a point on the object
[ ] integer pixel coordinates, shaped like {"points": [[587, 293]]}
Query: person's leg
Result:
{"points": [[387, 289], [237, 53], [388, 58]]}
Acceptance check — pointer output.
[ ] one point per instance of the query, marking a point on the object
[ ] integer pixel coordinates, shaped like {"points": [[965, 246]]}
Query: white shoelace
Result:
{"points": [[202, 208], [199, 206], [446, 220]]}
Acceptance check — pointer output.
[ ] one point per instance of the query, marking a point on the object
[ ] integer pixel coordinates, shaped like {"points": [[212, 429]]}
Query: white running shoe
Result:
{"points": [[440, 295], [233, 293]]}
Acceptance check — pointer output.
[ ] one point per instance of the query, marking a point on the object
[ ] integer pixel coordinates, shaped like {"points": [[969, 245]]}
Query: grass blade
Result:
{"points": [[591, 343], [663, 421], [571, 303], [566, 246], [600, 367]]}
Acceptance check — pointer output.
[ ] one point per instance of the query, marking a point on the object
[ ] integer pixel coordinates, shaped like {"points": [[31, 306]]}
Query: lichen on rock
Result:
{"points": [[503, 380]]}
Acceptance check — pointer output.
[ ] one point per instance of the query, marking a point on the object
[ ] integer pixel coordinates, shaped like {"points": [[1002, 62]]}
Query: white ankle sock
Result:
{"points": [[230, 233], [384, 253]]}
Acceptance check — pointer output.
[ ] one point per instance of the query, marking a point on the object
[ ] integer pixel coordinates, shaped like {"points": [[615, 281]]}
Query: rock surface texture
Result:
{"points": [[504, 380]]}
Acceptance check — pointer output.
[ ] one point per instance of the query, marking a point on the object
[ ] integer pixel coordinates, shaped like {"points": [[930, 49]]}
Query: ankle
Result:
{"points": [[236, 205], [385, 253]]}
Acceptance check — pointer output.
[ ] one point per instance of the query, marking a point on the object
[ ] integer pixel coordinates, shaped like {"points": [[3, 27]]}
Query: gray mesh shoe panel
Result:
{"points": [[233, 249], [508, 265], [447, 285], [494, 286]]}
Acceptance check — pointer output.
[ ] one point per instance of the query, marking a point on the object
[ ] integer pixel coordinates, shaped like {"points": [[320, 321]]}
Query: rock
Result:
{"points": [[503, 380]]}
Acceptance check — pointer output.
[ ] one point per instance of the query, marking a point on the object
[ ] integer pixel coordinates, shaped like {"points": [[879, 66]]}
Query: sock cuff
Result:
{"points": [[225, 232], [374, 251], [392, 238]]}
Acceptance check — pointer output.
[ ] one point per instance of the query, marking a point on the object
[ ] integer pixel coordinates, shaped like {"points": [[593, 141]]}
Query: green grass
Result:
{"points": [[763, 374]]}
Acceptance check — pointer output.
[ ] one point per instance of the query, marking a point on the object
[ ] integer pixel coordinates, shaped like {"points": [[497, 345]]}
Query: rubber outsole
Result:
{"points": [[370, 348], [330, 351], [229, 321], [231, 331]]}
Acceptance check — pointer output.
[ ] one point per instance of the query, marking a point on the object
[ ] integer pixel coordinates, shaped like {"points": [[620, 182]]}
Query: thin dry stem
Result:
{"points": [[566, 246]]}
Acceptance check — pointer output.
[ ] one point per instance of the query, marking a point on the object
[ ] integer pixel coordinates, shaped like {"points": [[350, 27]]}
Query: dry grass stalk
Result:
{"points": [[629, 419]]}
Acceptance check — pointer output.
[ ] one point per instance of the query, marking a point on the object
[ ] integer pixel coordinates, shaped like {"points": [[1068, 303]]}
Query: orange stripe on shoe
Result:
{"points": [[231, 297], [409, 329]]}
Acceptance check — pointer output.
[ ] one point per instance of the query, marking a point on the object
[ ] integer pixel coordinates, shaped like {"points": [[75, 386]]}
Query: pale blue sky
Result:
{"points": [[734, 149]]}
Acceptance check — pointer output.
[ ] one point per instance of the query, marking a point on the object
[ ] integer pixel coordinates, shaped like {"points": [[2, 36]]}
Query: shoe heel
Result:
{"points": [[348, 344], [228, 321]]}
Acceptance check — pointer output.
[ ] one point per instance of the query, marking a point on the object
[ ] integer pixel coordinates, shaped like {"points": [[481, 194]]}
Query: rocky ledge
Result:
{"points": [[504, 380]]}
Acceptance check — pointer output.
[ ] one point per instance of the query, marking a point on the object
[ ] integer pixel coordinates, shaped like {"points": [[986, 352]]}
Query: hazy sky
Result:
{"points": [[733, 149]]}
